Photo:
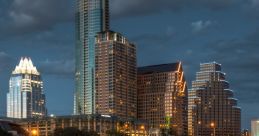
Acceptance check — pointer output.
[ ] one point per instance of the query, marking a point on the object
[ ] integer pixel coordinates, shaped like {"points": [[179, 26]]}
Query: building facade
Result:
{"points": [[92, 16], [116, 76], [212, 107], [255, 127], [162, 97], [100, 124], [26, 98]]}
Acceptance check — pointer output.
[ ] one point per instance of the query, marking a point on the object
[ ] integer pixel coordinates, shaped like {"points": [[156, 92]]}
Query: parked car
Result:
{"points": [[11, 129]]}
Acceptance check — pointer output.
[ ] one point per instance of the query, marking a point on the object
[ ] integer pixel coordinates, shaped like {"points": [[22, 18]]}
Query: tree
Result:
{"points": [[74, 132], [168, 132], [85, 132], [4, 133], [115, 133], [67, 132]]}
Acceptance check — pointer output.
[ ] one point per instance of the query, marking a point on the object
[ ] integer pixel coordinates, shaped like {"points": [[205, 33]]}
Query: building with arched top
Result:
{"points": [[26, 98]]}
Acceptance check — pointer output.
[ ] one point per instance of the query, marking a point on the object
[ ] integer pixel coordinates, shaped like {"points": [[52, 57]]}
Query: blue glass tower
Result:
{"points": [[92, 16], [26, 98]]}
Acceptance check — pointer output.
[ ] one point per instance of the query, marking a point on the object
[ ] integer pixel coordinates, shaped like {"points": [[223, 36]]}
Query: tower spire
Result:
{"points": [[25, 67]]}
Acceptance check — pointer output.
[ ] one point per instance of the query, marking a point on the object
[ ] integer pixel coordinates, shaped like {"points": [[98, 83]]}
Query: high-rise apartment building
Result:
{"points": [[92, 16], [25, 98], [212, 107], [162, 97], [116, 76], [255, 127]]}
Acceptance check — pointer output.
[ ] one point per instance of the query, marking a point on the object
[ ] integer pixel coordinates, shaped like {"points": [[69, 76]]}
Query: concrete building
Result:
{"points": [[162, 97], [26, 98], [213, 110], [116, 76], [92, 16]]}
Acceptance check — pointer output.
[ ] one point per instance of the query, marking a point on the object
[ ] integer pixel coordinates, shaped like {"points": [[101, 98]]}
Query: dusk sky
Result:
{"points": [[165, 31]]}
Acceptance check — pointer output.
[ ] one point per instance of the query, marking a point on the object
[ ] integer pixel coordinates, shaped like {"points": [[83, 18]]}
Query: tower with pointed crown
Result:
{"points": [[26, 98]]}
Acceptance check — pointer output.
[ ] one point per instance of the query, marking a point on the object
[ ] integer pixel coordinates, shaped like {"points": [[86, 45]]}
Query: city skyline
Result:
{"points": [[58, 66]]}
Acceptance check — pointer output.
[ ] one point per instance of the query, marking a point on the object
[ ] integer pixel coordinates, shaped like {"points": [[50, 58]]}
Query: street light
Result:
{"points": [[197, 128], [213, 126], [142, 127], [34, 132]]}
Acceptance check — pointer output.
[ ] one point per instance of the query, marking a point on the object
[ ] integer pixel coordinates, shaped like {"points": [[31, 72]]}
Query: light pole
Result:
{"points": [[197, 128], [214, 129]]}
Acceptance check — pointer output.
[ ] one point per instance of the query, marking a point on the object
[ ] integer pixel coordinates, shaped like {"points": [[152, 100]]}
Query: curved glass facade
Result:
{"points": [[92, 16]]}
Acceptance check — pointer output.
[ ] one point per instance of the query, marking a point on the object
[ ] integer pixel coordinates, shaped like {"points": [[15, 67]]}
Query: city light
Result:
{"points": [[111, 91], [142, 127], [34, 132], [212, 125]]}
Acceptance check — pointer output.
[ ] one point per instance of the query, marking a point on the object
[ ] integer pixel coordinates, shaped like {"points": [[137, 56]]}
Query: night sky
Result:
{"points": [[165, 31]]}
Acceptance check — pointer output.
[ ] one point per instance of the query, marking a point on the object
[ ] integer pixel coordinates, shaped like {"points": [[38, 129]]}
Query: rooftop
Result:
{"points": [[25, 67], [159, 68]]}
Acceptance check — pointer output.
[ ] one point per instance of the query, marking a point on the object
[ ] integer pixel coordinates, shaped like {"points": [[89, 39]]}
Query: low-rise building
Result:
{"points": [[98, 123]]}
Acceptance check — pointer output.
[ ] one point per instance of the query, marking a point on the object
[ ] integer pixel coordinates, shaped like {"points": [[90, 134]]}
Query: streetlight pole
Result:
{"points": [[214, 129]]}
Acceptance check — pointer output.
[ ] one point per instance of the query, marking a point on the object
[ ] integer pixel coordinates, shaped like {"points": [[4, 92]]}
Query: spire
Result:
{"points": [[26, 67]]}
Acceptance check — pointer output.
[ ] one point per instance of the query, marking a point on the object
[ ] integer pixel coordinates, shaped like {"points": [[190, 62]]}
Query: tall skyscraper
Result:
{"points": [[212, 107], [92, 16], [162, 97], [26, 98], [255, 127], [116, 76]]}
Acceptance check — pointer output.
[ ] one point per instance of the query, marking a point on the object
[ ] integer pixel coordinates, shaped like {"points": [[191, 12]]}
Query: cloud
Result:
{"points": [[5, 61], [240, 58], [126, 8], [200, 25], [160, 38], [255, 3], [59, 68], [25, 16], [123, 8]]}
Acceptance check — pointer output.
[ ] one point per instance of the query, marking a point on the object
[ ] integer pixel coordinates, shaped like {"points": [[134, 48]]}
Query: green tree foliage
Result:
{"points": [[73, 132], [4, 133], [89, 133], [115, 133], [168, 132]]}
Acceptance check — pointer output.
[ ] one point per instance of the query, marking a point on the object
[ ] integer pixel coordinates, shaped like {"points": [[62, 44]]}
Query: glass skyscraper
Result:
{"points": [[255, 127], [92, 16], [25, 98]]}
